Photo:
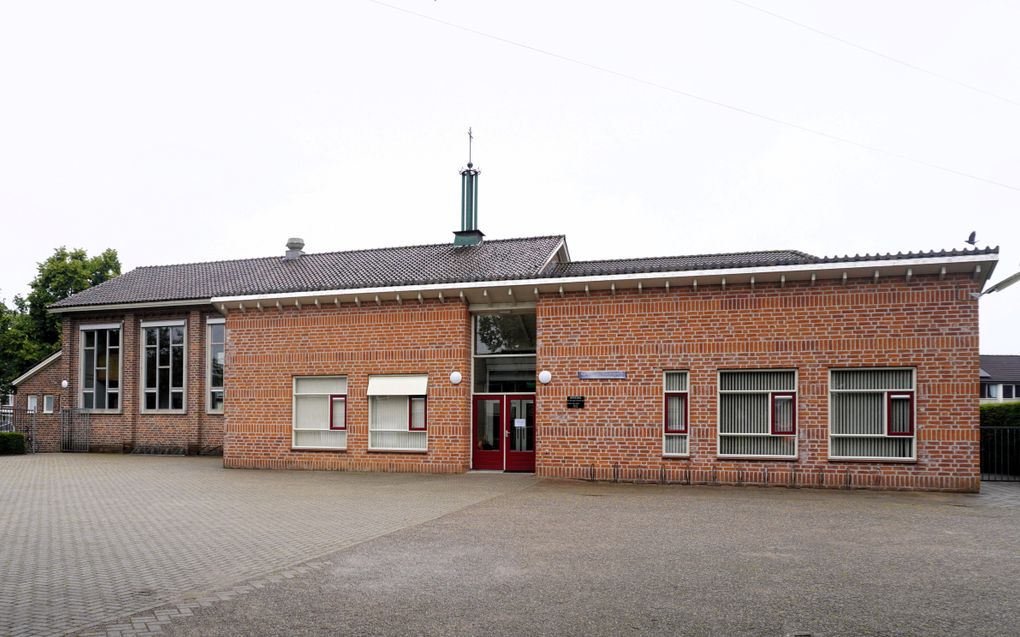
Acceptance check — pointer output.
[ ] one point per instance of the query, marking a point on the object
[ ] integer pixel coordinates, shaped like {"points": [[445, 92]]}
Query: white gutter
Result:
{"points": [[128, 306], [840, 266], [706, 275], [38, 368]]}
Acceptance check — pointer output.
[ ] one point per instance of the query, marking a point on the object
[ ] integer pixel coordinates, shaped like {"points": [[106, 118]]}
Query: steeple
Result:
{"points": [[469, 234]]}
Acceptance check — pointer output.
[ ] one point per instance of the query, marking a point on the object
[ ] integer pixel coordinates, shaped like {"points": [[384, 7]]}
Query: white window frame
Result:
{"points": [[770, 393], [885, 415], [686, 393], [406, 427], [142, 368], [329, 397], [48, 403], [89, 327], [209, 389], [32, 403]]}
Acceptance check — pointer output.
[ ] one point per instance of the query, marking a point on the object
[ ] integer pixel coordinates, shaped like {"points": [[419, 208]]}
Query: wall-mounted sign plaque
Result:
{"points": [[575, 402], [602, 375]]}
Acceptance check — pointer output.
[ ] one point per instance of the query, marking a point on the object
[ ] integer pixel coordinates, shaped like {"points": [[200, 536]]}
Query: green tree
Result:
{"points": [[18, 349], [66, 272]]}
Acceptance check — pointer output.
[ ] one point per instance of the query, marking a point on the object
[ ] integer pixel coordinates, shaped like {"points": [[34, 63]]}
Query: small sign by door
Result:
{"points": [[575, 402], [520, 423]]}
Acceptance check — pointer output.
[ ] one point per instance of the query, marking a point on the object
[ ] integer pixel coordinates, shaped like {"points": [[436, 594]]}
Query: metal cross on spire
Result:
{"points": [[470, 139]]}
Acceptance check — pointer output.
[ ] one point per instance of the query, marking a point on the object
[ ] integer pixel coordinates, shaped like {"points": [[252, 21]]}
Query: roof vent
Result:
{"points": [[294, 245]]}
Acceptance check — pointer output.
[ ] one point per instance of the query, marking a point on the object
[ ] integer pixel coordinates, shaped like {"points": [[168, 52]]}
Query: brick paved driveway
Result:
{"points": [[85, 539]]}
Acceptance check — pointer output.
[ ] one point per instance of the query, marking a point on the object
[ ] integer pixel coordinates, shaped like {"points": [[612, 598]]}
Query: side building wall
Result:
{"points": [[928, 324], [129, 428], [46, 426], [267, 349]]}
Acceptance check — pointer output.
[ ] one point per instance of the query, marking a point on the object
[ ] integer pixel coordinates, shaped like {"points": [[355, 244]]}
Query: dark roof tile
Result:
{"points": [[1001, 367], [384, 267]]}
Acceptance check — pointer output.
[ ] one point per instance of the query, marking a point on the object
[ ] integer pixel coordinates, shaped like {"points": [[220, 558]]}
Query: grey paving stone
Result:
{"points": [[92, 538]]}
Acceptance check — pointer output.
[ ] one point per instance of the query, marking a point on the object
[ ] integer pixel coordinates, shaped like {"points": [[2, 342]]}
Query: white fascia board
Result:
{"points": [[127, 306], [864, 267], [562, 245], [38, 368]]}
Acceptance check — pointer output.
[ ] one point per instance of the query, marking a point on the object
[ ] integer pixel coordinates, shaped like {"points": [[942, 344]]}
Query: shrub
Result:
{"points": [[1000, 415], [12, 442]]}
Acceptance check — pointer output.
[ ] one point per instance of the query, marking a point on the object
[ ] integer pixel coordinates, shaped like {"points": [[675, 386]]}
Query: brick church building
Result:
{"points": [[773, 367]]}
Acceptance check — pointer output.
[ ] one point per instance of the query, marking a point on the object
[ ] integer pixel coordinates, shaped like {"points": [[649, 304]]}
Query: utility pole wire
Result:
{"points": [[884, 56], [700, 98]]}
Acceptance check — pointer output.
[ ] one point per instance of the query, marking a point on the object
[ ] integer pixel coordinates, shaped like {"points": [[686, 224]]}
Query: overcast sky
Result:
{"points": [[178, 132]]}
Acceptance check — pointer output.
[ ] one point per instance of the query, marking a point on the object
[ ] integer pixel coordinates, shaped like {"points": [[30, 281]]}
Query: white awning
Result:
{"points": [[398, 385]]}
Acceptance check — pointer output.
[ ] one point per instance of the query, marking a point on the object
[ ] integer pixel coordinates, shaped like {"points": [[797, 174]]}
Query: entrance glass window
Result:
{"points": [[504, 352]]}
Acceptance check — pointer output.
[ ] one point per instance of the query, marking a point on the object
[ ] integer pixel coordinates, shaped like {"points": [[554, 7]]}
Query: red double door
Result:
{"points": [[503, 432]]}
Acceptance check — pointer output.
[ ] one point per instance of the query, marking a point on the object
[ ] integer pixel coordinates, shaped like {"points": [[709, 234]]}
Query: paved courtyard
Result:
{"points": [[88, 538], [114, 545]]}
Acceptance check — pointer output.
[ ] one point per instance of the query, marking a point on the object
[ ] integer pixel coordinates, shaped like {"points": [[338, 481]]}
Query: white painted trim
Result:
{"points": [[687, 412], [865, 269], [84, 327], [142, 368], [293, 412], [719, 391], [173, 323], [215, 320], [127, 306], [38, 368], [208, 367], [562, 245], [885, 415]]}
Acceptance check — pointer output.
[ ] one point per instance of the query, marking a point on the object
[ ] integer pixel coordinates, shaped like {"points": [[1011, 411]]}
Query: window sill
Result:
{"points": [[163, 412], [319, 449], [677, 456], [422, 451], [101, 412], [880, 460], [214, 413], [767, 458]]}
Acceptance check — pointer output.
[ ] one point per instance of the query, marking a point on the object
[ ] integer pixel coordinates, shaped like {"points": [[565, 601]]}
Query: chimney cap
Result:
{"points": [[295, 243]]}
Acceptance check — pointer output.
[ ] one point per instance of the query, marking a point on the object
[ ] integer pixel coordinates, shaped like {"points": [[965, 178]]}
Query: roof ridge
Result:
{"points": [[920, 253], [695, 256], [355, 251]]}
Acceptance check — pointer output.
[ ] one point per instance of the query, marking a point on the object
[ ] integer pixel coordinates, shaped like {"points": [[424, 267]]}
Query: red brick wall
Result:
{"points": [[266, 349], [193, 431], [47, 426], [928, 324]]}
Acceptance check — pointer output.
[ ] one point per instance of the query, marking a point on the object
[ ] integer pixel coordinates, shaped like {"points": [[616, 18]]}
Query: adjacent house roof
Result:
{"points": [[1000, 368], [534, 259], [505, 259]]}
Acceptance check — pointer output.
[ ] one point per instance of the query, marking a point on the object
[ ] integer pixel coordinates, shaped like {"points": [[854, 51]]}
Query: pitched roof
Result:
{"points": [[46, 362], [738, 260], [496, 260], [504, 259], [681, 263], [1001, 367]]}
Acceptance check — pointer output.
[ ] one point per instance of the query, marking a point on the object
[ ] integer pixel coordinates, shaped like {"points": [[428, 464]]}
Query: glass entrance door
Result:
{"points": [[487, 433], [503, 432], [520, 433]]}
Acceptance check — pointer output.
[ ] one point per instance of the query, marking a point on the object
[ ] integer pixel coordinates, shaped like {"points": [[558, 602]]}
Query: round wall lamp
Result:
{"points": [[456, 377], [544, 377], [63, 384]]}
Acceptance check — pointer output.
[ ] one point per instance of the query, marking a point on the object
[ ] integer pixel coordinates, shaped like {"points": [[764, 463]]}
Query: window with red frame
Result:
{"points": [[338, 412], [871, 414], [417, 413], [674, 414], [784, 414]]}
